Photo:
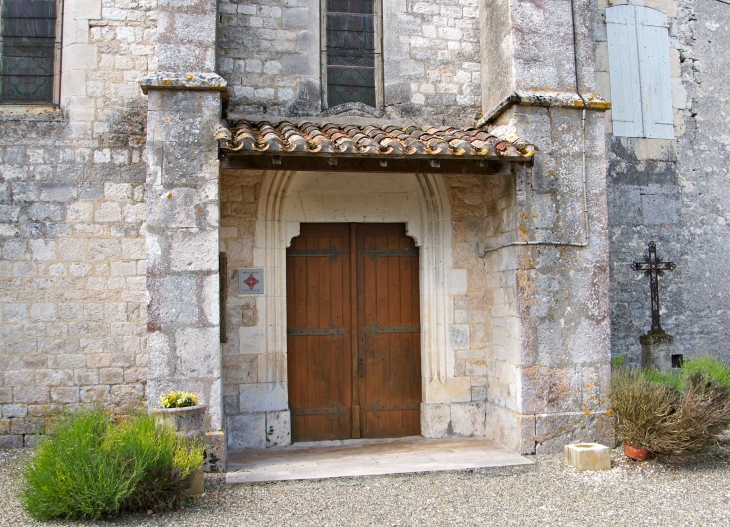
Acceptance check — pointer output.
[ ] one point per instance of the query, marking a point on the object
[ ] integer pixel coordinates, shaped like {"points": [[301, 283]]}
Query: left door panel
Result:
{"points": [[319, 350]]}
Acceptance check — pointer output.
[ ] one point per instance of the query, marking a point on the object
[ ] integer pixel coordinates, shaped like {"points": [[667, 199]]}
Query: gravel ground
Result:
{"points": [[547, 493]]}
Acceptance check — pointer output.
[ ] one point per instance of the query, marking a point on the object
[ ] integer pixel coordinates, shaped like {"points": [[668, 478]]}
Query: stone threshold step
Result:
{"points": [[367, 457]]}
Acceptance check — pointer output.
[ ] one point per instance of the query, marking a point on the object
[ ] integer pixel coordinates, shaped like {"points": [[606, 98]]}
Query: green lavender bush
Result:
{"points": [[93, 467]]}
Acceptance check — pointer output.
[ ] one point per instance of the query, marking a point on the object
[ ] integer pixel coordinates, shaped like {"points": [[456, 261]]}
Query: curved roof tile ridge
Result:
{"points": [[385, 140]]}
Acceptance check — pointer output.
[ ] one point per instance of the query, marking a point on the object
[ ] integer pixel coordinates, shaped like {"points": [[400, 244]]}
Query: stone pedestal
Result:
{"points": [[656, 351]]}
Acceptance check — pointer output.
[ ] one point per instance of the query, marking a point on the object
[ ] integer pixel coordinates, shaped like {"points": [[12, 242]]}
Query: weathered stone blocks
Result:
{"points": [[278, 429], [182, 241]]}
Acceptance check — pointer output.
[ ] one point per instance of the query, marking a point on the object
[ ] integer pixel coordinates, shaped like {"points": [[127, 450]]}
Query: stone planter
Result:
{"points": [[188, 421]]}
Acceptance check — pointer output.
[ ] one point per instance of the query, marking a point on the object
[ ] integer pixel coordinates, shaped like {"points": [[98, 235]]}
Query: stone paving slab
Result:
{"points": [[357, 457]]}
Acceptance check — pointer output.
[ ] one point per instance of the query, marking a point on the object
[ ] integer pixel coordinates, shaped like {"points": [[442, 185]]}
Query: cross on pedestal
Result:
{"points": [[654, 267]]}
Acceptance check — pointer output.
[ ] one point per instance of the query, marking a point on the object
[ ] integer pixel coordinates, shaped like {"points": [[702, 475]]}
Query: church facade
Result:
{"points": [[338, 219]]}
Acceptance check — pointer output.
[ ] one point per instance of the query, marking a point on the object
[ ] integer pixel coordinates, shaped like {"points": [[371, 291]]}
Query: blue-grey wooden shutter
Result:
{"points": [[638, 54], [656, 89], [623, 58]]}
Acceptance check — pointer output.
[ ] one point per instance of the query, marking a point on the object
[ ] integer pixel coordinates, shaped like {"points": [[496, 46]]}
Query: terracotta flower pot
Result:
{"points": [[637, 454]]}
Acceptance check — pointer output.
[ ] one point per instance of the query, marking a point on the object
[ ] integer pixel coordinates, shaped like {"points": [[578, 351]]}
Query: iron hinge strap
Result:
{"points": [[333, 252], [374, 252], [374, 329], [336, 411], [375, 407], [333, 332]]}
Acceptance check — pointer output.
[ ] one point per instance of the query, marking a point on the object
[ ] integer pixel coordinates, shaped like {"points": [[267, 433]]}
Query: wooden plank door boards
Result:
{"points": [[319, 300], [354, 356]]}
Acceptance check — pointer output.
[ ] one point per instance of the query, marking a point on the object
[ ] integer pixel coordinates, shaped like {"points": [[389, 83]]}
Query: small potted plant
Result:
{"points": [[636, 453], [185, 413]]}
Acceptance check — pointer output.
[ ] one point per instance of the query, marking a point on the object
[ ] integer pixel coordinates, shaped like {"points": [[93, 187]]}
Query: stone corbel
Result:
{"points": [[166, 80], [545, 99]]}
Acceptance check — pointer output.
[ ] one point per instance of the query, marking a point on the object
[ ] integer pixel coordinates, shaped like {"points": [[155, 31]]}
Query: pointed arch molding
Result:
{"points": [[420, 201]]}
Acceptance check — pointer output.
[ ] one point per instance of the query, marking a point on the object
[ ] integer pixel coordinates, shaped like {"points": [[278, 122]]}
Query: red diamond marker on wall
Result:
{"points": [[251, 281]]}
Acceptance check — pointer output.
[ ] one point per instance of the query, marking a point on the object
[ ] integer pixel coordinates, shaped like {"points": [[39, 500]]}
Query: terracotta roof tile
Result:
{"points": [[368, 140]]}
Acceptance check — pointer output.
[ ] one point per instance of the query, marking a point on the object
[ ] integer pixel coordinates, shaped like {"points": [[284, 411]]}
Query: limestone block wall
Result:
{"points": [[480, 206], [551, 368], [72, 212], [182, 240], [269, 52], [485, 216], [475, 212], [186, 36], [675, 192]]}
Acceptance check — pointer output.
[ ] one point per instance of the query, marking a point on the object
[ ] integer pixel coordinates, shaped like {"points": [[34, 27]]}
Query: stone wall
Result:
{"points": [[674, 192], [479, 304], [72, 211], [269, 52]]}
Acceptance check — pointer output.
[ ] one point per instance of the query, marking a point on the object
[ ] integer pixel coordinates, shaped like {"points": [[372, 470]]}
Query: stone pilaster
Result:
{"points": [[548, 380], [183, 211]]}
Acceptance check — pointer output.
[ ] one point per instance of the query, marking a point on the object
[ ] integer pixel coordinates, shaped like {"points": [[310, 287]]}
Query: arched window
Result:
{"points": [[30, 39]]}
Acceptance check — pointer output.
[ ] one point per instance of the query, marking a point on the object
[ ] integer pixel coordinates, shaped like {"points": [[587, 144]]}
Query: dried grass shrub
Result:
{"points": [[665, 421]]}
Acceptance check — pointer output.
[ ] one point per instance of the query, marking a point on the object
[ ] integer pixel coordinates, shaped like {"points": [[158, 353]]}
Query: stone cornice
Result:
{"points": [[165, 80], [550, 99]]}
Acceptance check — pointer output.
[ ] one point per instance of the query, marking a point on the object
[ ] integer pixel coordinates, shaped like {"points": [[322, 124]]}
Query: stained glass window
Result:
{"points": [[30, 51], [350, 51]]}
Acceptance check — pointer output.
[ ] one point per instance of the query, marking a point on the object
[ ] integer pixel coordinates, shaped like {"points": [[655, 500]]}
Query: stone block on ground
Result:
{"points": [[435, 420], [468, 419], [588, 456], [278, 428], [11, 441]]}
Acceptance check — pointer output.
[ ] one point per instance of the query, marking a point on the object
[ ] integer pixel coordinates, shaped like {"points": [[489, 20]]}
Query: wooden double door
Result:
{"points": [[353, 332]]}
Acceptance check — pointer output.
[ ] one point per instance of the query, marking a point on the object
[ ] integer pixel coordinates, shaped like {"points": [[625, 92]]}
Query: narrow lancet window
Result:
{"points": [[350, 51]]}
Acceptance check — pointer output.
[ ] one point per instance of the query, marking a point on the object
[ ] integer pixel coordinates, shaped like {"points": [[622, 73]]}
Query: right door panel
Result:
{"points": [[389, 334]]}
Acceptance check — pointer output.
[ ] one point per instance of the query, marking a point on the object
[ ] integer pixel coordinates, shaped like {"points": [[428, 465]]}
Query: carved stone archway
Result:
{"points": [[419, 200]]}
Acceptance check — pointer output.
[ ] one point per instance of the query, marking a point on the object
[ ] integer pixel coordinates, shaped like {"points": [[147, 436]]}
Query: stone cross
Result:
{"points": [[654, 267]]}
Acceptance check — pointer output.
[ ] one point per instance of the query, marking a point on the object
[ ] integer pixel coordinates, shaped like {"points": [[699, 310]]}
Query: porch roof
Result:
{"points": [[367, 141]]}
